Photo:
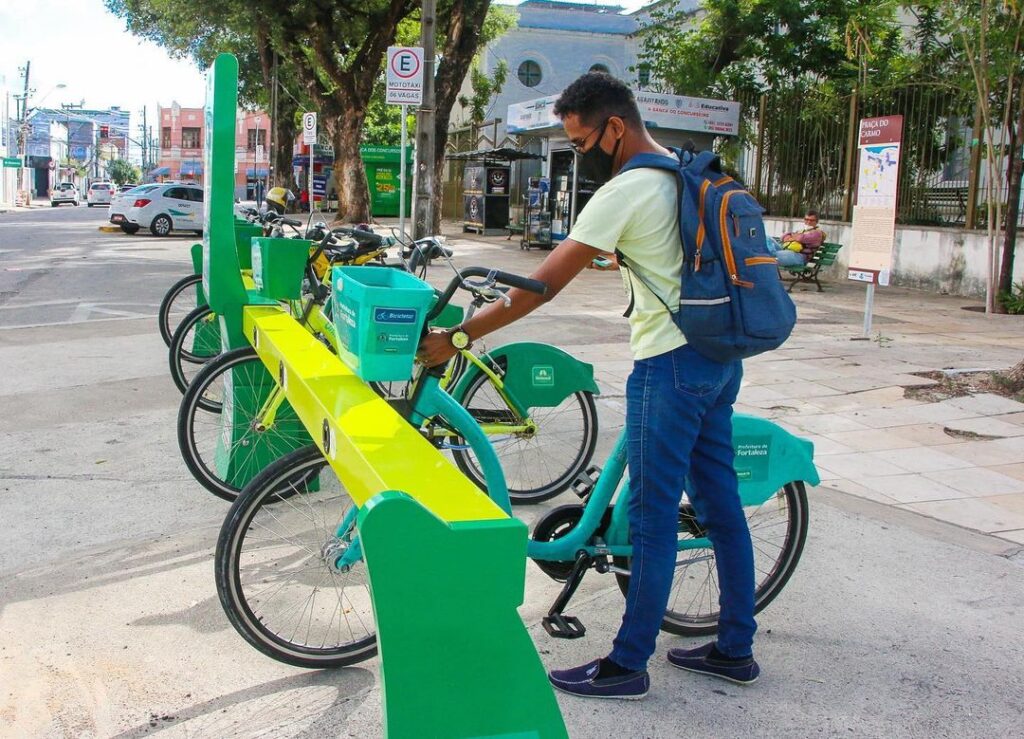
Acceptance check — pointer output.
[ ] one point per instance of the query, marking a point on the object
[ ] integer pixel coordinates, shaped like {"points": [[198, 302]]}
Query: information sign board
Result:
{"points": [[404, 75], [309, 128]]}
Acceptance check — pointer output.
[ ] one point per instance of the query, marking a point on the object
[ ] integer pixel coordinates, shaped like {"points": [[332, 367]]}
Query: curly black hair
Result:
{"points": [[595, 96]]}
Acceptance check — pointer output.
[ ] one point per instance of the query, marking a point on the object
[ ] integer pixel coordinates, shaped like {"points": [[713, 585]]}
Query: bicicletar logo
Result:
{"points": [[395, 315], [543, 375]]}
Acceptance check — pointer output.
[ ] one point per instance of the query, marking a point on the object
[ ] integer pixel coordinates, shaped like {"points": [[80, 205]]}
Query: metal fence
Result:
{"points": [[797, 150]]}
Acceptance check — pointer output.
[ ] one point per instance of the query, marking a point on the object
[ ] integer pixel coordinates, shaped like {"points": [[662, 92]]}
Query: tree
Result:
{"points": [[122, 171]]}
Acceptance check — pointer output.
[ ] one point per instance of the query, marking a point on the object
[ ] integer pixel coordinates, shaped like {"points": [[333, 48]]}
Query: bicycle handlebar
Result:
{"points": [[494, 275]]}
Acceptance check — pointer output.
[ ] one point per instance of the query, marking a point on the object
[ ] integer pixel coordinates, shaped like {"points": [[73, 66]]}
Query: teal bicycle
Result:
{"points": [[289, 566]]}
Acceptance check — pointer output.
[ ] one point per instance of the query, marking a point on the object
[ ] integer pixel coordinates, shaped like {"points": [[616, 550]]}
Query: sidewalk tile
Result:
{"points": [[824, 423], [977, 482], [987, 427], [856, 465], [925, 434], [883, 418], [987, 404], [872, 440], [977, 514], [1017, 418], [923, 459], [910, 488], [1011, 470], [824, 446], [859, 491], [987, 453], [1016, 535], [940, 412]]}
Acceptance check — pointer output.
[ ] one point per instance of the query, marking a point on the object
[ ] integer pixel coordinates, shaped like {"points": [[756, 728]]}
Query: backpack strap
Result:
{"points": [[632, 298]]}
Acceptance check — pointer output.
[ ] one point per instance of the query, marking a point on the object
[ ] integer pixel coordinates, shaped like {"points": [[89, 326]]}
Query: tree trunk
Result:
{"points": [[349, 172], [284, 139], [462, 39], [1016, 374], [1014, 173]]}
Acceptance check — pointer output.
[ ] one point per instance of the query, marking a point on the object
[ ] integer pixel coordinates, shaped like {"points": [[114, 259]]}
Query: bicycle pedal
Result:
{"points": [[585, 481], [561, 626]]}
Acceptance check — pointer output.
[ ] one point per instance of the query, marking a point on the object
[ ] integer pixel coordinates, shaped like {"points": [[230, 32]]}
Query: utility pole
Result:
{"points": [[273, 158], [423, 203], [23, 134], [145, 142]]}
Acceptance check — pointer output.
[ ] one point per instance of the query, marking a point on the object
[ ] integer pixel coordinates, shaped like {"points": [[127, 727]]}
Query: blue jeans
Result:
{"points": [[785, 257], [679, 421]]}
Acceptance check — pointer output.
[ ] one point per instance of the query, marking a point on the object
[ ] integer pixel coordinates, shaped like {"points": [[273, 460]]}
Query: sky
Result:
{"points": [[80, 44]]}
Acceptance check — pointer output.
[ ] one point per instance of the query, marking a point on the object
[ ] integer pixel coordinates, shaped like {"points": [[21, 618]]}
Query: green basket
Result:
{"points": [[378, 315], [244, 234], [278, 266]]}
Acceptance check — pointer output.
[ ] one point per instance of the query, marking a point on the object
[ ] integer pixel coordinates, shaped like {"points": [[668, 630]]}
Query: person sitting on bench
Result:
{"points": [[796, 247]]}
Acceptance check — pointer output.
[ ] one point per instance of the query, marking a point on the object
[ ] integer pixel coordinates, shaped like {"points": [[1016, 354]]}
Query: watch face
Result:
{"points": [[460, 339]]}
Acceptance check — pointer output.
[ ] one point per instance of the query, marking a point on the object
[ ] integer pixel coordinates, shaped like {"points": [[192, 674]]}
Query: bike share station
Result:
{"points": [[444, 639], [445, 561], [554, 198]]}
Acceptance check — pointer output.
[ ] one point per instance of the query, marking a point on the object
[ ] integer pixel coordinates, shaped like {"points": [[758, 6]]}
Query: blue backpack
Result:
{"points": [[732, 304]]}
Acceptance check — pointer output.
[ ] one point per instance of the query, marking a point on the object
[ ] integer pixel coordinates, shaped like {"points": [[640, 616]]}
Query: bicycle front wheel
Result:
{"points": [[178, 302], [540, 462], [778, 529], [276, 573], [195, 342], [225, 446]]}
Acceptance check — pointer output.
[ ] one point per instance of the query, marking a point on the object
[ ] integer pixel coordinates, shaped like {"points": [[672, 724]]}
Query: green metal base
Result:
{"points": [[447, 625]]}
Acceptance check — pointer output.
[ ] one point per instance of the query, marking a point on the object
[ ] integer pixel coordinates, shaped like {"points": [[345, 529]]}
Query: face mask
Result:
{"points": [[597, 165]]}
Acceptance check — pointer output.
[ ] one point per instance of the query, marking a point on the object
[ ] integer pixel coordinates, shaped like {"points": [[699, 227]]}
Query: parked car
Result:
{"points": [[123, 201], [99, 193], [65, 192], [126, 186], [161, 208]]}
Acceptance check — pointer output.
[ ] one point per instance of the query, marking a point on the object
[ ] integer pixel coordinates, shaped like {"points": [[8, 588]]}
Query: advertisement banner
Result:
{"points": [[874, 211]]}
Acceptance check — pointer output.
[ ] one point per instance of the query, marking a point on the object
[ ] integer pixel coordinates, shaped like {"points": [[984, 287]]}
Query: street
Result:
{"points": [[896, 623]]}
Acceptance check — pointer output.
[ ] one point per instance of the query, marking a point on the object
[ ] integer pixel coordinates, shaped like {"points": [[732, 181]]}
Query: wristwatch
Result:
{"points": [[459, 338]]}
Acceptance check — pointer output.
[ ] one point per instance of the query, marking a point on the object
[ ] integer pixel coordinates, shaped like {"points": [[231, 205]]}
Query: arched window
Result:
{"points": [[600, 68], [529, 73]]}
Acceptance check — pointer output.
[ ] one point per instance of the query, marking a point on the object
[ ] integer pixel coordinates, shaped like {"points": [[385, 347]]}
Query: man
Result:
{"points": [[798, 246], [678, 404]]}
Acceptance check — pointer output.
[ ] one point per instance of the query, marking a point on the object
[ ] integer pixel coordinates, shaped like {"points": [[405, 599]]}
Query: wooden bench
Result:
{"points": [[825, 256]]}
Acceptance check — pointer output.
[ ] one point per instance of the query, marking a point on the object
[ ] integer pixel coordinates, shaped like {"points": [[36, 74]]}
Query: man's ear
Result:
{"points": [[618, 126]]}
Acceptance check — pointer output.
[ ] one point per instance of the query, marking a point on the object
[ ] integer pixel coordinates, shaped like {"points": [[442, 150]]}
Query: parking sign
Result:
{"points": [[405, 75], [309, 128]]}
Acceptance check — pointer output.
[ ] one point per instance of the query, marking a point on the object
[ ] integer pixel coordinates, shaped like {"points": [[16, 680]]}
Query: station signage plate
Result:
{"points": [[405, 75]]}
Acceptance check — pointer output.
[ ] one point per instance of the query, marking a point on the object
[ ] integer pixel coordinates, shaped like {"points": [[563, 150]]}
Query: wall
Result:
{"points": [[942, 260]]}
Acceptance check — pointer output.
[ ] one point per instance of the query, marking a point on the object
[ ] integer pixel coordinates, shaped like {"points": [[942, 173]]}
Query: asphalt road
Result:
{"points": [[893, 625]]}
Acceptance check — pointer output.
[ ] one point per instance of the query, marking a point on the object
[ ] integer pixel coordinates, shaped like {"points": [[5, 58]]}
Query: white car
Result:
{"points": [[100, 193], [162, 208], [65, 192], [122, 201]]}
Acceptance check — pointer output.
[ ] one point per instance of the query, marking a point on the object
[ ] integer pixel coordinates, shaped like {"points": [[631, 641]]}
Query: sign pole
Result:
{"points": [[869, 305], [402, 169], [309, 138]]}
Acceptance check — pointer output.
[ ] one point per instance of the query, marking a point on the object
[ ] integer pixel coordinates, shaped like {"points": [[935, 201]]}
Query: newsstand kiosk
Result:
{"points": [[671, 119]]}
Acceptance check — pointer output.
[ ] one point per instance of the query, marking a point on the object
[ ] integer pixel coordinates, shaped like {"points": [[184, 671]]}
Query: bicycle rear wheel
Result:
{"points": [[538, 465], [195, 342], [178, 302], [224, 452], [778, 529], [273, 570]]}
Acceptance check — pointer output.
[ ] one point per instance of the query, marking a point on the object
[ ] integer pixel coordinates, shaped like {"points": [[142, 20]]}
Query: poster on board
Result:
{"points": [[874, 212]]}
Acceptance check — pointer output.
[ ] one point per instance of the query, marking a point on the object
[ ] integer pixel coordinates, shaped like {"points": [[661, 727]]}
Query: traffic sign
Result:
{"points": [[405, 75], [12, 161], [309, 128]]}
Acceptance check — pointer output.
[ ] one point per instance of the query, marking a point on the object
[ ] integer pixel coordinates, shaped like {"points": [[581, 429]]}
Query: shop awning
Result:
{"points": [[256, 172], [506, 154], [160, 172], [191, 169]]}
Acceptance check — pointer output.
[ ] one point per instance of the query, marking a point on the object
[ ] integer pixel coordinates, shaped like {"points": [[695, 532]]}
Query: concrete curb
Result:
{"points": [[110, 229]]}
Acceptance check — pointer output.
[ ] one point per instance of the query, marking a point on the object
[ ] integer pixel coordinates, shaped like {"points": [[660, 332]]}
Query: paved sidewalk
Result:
{"points": [[846, 394]]}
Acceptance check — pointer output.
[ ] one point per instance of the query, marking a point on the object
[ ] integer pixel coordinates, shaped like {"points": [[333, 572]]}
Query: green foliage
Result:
{"points": [[1013, 301], [122, 171], [485, 87]]}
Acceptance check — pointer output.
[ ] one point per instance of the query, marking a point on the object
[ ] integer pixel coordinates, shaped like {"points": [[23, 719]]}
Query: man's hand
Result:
{"points": [[435, 348]]}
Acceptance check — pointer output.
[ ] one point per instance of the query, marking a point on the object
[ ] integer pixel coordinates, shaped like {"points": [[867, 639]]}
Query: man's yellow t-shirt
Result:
{"points": [[636, 212]]}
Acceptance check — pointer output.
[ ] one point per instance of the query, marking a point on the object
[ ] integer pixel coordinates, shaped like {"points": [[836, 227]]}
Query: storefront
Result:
{"points": [[561, 193], [488, 189]]}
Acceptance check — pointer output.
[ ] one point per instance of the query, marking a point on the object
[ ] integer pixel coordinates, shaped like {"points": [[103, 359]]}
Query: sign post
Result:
{"points": [[404, 88], [309, 137], [874, 213]]}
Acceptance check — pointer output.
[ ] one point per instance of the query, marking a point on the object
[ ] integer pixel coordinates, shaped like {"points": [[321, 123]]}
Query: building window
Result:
{"points": [[165, 137], [190, 138], [251, 145], [599, 68], [529, 73], [643, 75]]}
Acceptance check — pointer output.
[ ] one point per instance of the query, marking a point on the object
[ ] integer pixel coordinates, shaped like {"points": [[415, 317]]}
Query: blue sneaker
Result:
{"points": [[584, 681], [707, 660]]}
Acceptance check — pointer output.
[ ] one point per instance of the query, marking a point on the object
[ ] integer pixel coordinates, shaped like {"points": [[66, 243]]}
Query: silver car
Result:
{"points": [[99, 193]]}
